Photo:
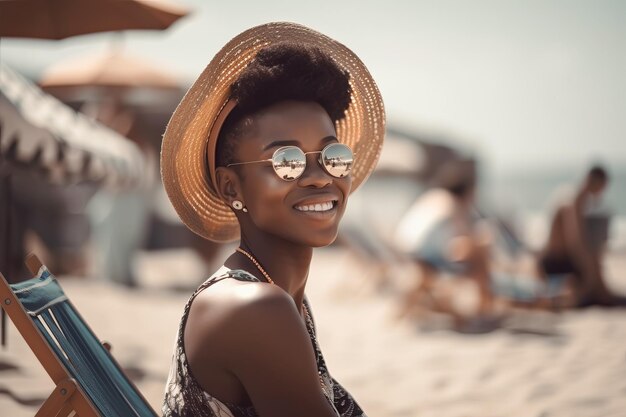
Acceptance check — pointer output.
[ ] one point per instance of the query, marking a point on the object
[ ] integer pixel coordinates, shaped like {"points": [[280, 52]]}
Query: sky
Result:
{"points": [[523, 85]]}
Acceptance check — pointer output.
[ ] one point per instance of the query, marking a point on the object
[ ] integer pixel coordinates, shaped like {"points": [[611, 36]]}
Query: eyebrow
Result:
{"points": [[293, 142]]}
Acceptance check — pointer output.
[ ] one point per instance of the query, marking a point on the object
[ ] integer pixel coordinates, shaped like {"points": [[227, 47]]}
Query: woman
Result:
{"points": [[266, 147]]}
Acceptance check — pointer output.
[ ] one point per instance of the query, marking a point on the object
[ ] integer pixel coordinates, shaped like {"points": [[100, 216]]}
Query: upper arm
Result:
{"points": [[575, 237], [572, 227], [272, 356]]}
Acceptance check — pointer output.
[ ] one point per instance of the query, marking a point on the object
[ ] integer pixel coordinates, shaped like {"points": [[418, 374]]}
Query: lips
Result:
{"points": [[318, 205]]}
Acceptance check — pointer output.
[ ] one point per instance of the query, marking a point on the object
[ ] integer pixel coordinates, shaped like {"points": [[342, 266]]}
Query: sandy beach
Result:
{"points": [[574, 366]]}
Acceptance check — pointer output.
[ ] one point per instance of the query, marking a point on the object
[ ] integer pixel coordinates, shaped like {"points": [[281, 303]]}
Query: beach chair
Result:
{"points": [[89, 382]]}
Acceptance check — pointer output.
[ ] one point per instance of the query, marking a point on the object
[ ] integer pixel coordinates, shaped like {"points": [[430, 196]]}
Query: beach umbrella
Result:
{"points": [[113, 84], [60, 19], [40, 150], [401, 157], [112, 69], [37, 130]]}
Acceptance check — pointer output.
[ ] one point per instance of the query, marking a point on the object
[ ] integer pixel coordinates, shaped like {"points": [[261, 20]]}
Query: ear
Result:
{"points": [[228, 185]]}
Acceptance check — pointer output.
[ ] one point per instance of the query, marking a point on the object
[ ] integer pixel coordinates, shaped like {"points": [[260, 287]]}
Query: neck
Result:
{"points": [[286, 263]]}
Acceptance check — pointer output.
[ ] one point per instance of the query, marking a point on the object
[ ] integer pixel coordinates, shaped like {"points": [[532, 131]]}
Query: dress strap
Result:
{"points": [[241, 275], [238, 274]]}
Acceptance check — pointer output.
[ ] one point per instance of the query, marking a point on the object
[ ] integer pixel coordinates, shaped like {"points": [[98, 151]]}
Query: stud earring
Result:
{"points": [[238, 205]]}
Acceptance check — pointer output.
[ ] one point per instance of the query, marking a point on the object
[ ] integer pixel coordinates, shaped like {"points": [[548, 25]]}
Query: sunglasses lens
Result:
{"points": [[338, 159], [289, 162]]}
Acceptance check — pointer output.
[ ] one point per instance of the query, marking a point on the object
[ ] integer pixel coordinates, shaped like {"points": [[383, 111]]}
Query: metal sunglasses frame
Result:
{"points": [[319, 160]]}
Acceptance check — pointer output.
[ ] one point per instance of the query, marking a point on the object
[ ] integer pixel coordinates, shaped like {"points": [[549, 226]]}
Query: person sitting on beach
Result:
{"points": [[574, 249], [441, 234], [266, 147]]}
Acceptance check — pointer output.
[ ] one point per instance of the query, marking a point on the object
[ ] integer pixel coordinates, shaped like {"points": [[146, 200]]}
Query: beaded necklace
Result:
{"points": [[257, 264], [266, 275]]}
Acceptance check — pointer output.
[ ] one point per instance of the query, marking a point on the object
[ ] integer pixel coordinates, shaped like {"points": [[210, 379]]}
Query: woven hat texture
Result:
{"points": [[184, 167]]}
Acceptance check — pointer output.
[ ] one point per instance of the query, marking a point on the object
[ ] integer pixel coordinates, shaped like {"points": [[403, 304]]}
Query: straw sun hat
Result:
{"points": [[192, 132]]}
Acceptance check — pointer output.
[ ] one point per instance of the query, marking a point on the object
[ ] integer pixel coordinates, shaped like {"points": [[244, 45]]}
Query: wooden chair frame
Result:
{"points": [[67, 395]]}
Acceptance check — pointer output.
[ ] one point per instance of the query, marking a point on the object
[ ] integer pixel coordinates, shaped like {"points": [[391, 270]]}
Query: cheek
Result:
{"points": [[268, 210], [265, 193], [345, 186]]}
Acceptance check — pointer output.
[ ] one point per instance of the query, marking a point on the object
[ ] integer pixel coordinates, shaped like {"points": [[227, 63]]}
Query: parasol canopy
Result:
{"points": [[38, 130], [60, 19], [114, 68]]}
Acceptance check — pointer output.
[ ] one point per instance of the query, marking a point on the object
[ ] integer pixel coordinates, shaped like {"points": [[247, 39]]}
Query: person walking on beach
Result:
{"points": [[575, 248], [266, 147]]}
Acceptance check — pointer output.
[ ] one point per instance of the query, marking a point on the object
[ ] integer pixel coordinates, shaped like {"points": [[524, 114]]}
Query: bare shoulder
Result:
{"points": [[234, 300], [232, 313]]}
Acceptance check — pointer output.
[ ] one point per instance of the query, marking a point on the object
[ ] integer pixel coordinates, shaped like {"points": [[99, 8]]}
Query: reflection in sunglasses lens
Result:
{"points": [[337, 160], [289, 163]]}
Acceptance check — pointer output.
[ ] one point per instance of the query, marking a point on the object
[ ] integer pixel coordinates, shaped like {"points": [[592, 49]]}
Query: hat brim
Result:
{"points": [[183, 151]]}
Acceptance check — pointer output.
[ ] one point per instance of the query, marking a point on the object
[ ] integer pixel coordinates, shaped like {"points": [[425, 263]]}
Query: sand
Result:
{"points": [[541, 365]]}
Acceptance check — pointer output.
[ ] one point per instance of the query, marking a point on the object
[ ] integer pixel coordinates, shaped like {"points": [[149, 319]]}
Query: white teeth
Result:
{"points": [[316, 207]]}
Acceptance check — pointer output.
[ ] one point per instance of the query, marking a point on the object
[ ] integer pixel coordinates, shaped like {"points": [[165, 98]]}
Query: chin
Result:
{"points": [[324, 243], [315, 240]]}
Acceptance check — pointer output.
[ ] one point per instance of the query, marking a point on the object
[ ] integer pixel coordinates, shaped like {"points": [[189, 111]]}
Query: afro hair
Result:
{"points": [[279, 72]]}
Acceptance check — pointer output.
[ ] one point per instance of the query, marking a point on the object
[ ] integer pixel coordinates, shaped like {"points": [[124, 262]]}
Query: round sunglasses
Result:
{"points": [[289, 162]]}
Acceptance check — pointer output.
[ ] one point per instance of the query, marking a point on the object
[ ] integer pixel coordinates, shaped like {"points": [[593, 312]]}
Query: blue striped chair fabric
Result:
{"points": [[78, 349]]}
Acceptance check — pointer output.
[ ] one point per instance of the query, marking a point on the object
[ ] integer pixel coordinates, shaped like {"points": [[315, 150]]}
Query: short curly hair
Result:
{"points": [[279, 72]]}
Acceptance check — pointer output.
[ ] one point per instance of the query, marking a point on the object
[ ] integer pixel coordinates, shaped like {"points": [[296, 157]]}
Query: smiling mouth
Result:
{"points": [[317, 207]]}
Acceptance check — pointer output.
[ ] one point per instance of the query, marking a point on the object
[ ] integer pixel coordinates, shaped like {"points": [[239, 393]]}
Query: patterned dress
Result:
{"points": [[185, 398]]}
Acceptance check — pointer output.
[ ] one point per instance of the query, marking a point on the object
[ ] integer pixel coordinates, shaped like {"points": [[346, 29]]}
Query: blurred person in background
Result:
{"points": [[442, 234], [120, 218], [577, 239]]}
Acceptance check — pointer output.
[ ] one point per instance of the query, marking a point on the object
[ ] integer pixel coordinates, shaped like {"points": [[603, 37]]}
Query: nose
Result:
{"points": [[314, 174]]}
